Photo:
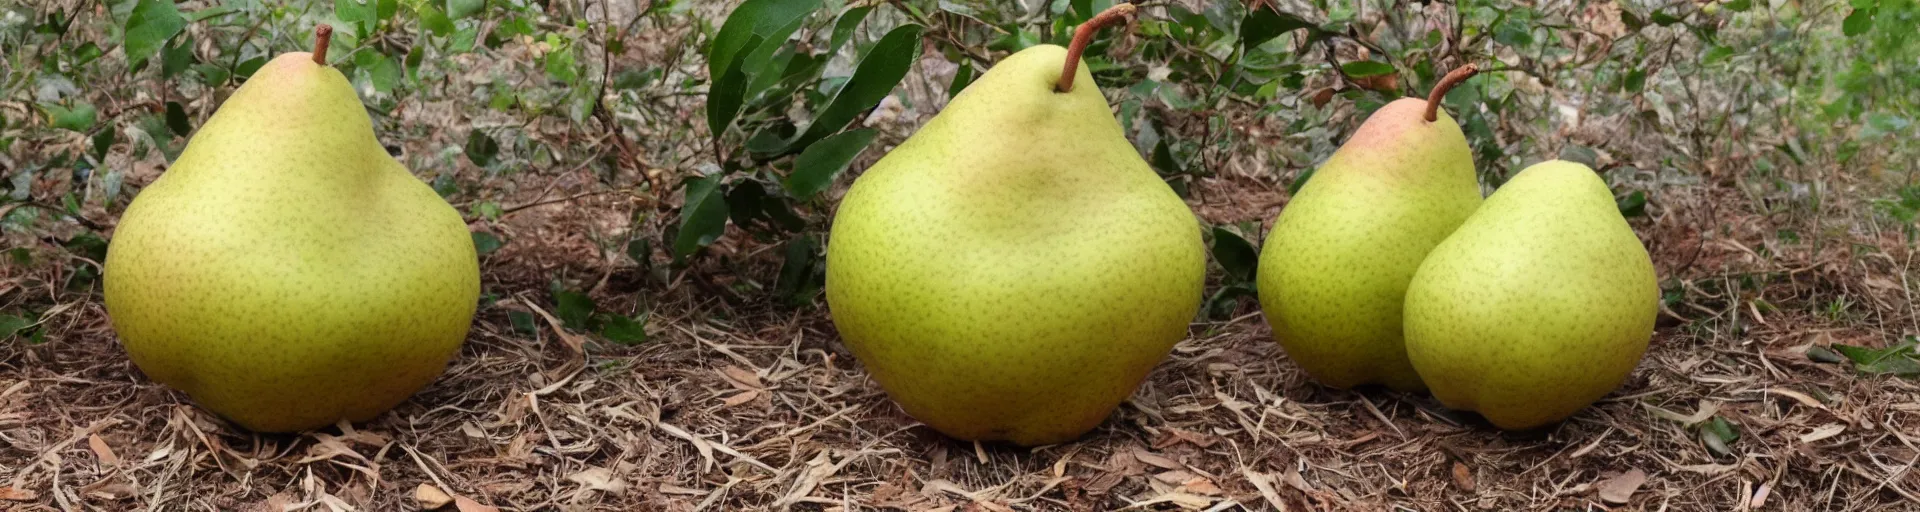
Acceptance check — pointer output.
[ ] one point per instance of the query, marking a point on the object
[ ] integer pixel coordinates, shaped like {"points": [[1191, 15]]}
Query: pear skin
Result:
{"points": [[1540, 304], [1014, 269], [1334, 270], [286, 272]]}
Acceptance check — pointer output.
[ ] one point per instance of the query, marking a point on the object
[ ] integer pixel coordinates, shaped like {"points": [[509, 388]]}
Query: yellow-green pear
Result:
{"points": [[1014, 269], [1335, 268], [286, 272], [1541, 303]]}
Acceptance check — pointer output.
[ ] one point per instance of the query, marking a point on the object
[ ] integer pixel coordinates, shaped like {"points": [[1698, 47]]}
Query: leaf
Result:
{"points": [[480, 148], [1293, 189], [457, 9], [1620, 488], [752, 24], [1738, 5], [175, 57], [433, 19], [1366, 68], [574, 309], [1898, 359], [522, 322], [1716, 54], [961, 79], [381, 71], [878, 73], [1636, 80], [177, 119], [801, 272], [1857, 22], [1235, 254], [486, 243], [10, 324], [1663, 19], [843, 29], [1633, 204], [1717, 434], [246, 68], [102, 142], [625, 331], [151, 24], [702, 219], [80, 118], [814, 171], [1821, 354], [1513, 33], [355, 11], [560, 65], [1265, 23]]}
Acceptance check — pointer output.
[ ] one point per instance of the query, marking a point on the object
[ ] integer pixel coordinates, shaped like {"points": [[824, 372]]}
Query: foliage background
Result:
{"points": [[650, 183]]}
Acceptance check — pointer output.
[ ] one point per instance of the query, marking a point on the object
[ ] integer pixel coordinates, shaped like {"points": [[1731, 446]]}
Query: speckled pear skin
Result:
{"points": [[286, 272], [1014, 269], [1540, 304], [1334, 270]]}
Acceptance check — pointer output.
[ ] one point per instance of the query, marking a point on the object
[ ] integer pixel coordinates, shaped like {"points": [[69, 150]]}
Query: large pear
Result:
{"points": [[1541, 303], [286, 272], [1335, 267], [1014, 269]]}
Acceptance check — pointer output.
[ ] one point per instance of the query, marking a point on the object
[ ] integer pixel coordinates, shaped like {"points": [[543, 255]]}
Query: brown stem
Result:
{"points": [[1084, 35], [322, 35], [1453, 78]]}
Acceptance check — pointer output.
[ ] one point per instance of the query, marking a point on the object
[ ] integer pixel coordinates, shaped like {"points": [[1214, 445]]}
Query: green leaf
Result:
{"points": [[480, 148], [11, 324], [1300, 181], [1636, 80], [80, 118], [414, 56], [574, 309], [878, 73], [150, 25], [802, 274], [356, 11], [961, 79], [1821, 354], [102, 142], [1633, 204], [843, 29], [459, 9], [211, 12], [1717, 434], [381, 71], [1738, 5], [752, 24], [1899, 359], [247, 67], [1513, 33], [175, 57], [433, 19], [625, 331], [641, 250], [1366, 68], [1716, 54], [1264, 24], [1857, 22], [385, 9], [177, 119], [522, 322], [560, 64], [486, 243], [1663, 19], [1235, 254], [814, 171], [1863, 4], [703, 218]]}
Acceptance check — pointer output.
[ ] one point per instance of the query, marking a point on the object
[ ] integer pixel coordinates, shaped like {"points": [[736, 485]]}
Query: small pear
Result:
{"points": [[286, 272], [1014, 269], [1335, 268], [1540, 304]]}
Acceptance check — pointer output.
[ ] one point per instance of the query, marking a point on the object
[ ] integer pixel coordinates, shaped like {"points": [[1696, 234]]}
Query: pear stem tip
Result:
{"points": [[1118, 14], [1453, 78], [322, 35]]}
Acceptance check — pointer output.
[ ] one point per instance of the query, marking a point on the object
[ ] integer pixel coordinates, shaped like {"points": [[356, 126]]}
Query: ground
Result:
{"points": [[740, 402]]}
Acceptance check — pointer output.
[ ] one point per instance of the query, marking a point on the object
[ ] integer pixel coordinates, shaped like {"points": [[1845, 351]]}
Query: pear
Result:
{"points": [[1335, 267], [1541, 303], [1014, 269], [286, 272]]}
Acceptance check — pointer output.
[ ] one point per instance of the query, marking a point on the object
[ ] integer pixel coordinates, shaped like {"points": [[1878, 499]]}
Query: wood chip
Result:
{"points": [[1155, 459], [465, 504], [1823, 432], [1463, 477], [1620, 488], [17, 494], [430, 497], [101, 450]]}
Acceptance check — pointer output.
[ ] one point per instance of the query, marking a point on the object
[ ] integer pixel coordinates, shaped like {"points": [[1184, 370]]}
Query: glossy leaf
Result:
{"points": [[814, 171], [1264, 23], [878, 73], [1366, 68], [150, 25], [703, 218]]}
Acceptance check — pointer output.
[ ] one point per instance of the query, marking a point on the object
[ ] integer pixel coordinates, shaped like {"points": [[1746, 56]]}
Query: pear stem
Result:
{"points": [[322, 35], [1084, 35], [1453, 78]]}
